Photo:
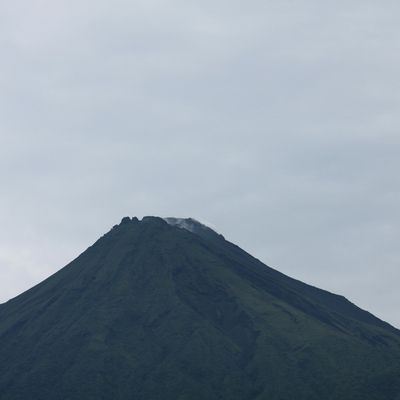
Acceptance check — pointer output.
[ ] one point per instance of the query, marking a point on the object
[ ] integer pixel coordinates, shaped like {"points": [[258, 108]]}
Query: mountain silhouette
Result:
{"points": [[167, 309]]}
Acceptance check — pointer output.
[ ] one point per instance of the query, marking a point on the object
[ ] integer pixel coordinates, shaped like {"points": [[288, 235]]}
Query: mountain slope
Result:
{"points": [[158, 310]]}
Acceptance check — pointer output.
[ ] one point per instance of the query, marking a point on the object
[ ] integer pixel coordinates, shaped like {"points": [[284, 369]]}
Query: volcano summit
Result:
{"points": [[167, 309]]}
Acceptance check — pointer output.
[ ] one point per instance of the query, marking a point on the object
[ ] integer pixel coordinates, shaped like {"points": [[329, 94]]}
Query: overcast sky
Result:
{"points": [[278, 122]]}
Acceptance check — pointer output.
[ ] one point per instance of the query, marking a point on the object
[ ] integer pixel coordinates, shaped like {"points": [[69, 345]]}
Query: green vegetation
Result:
{"points": [[155, 312]]}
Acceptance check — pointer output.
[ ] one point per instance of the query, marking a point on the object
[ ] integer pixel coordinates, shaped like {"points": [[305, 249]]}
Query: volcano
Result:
{"points": [[167, 309]]}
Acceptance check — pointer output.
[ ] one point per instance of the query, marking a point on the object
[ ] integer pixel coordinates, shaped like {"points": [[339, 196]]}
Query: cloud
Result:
{"points": [[276, 121]]}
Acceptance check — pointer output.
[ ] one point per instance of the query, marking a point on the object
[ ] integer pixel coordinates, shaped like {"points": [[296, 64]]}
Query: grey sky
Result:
{"points": [[276, 121]]}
